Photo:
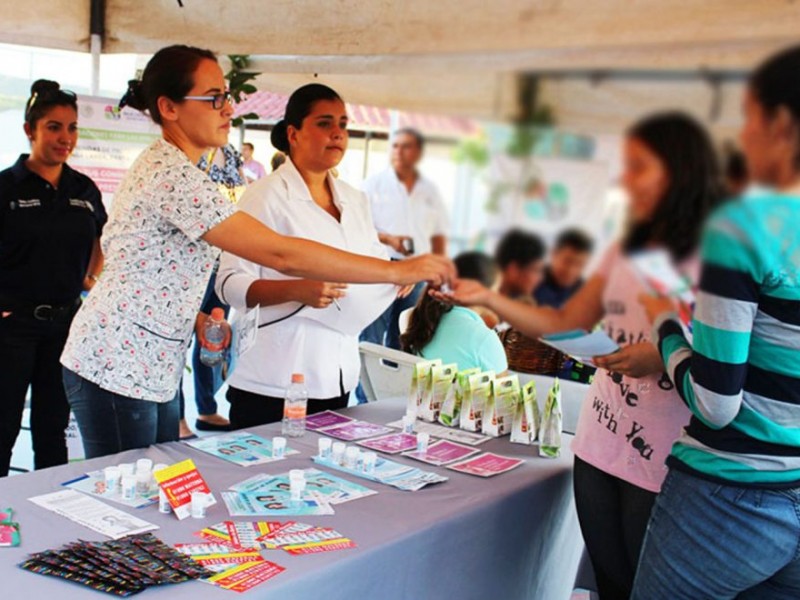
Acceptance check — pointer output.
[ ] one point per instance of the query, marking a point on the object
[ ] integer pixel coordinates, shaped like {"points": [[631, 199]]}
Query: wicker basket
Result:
{"points": [[527, 355]]}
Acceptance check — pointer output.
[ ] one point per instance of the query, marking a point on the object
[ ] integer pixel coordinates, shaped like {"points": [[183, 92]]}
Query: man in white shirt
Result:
{"points": [[410, 217]]}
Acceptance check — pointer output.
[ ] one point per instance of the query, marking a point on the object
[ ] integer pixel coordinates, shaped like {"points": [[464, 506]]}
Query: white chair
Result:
{"points": [[385, 373]]}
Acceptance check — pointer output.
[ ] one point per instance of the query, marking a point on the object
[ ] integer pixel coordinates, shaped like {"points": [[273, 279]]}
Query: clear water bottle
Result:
{"points": [[216, 330], [294, 407]]}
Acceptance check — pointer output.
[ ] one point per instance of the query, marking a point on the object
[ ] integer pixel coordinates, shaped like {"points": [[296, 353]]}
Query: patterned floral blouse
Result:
{"points": [[131, 335]]}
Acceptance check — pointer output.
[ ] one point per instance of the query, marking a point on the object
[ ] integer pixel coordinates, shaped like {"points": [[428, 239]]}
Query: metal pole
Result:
{"points": [[97, 31]]}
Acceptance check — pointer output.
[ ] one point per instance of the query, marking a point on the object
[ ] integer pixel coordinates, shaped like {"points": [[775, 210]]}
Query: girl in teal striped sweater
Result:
{"points": [[727, 521]]}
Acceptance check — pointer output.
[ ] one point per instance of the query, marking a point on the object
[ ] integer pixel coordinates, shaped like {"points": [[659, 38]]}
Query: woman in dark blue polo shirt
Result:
{"points": [[51, 218]]}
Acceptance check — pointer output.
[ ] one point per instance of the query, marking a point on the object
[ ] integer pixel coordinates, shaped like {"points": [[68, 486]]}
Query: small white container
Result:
{"points": [[278, 447], [337, 452], [351, 456], [408, 424], [164, 506], [199, 504], [325, 448], [144, 480], [297, 484], [113, 479], [368, 462], [422, 442], [129, 487], [144, 464]]}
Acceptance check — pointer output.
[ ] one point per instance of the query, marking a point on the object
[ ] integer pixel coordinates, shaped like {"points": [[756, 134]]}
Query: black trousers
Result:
{"points": [[249, 409], [29, 356], [613, 515]]}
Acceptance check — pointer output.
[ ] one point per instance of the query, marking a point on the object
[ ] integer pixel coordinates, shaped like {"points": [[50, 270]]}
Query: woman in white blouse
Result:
{"points": [[306, 326], [127, 345]]}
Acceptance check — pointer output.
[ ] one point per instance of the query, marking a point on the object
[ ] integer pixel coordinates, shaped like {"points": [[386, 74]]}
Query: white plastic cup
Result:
{"points": [[408, 424], [144, 464], [368, 462], [199, 504], [351, 456], [422, 442], [337, 452], [278, 447], [164, 506], [113, 479], [129, 487], [325, 448], [296, 488]]}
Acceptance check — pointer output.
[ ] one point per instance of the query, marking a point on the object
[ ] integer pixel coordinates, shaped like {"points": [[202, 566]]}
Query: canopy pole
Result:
{"points": [[97, 31]]}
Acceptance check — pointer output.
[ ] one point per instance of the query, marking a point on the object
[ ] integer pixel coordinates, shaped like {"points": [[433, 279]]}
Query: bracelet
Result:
{"points": [[94, 278]]}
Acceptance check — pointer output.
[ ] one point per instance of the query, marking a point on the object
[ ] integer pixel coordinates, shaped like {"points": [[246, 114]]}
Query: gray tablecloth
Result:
{"points": [[512, 536]]}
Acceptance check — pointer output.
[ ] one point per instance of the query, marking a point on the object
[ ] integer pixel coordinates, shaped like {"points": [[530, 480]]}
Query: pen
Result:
{"points": [[338, 306]]}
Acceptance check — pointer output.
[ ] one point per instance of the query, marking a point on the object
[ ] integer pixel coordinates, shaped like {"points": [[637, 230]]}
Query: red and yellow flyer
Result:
{"points": [[178, 482]]}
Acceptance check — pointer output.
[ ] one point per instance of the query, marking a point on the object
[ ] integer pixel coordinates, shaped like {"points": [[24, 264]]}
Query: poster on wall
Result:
{"points": [[110, 140], [546, 196]]}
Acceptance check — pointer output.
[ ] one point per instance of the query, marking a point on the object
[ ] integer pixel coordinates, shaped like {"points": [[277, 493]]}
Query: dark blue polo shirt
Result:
{"points": [[550, 293], [46, 234]]}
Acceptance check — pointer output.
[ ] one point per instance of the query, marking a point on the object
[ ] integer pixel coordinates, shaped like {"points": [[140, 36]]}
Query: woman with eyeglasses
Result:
{"points": [[127, 346], [51, 218]]}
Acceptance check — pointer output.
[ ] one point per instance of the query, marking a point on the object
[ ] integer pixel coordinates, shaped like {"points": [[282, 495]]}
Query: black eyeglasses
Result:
{"points": [[217, 100], [49, 96]]}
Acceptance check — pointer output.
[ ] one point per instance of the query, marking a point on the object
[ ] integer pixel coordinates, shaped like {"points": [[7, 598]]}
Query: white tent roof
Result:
{"points": [[455, 56]]}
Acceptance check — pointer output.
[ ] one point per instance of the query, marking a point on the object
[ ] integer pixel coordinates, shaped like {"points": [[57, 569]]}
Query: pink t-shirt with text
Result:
{"points": [[627, 426]]}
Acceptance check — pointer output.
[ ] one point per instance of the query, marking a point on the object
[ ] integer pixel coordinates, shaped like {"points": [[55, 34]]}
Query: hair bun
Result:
{"points": [[280, 136], [134, 96], [44, 86]]}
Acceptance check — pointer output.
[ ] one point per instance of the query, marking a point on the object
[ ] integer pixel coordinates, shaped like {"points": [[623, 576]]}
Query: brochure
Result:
{"points": [[393, 443], [451, 409], [498, 414], [354, 430], [442, 452], [92, 513], [582, 345], [319, 485], [94, 483], [325, 419], [486, 465], [445, 433], [254, 504], [390, 473], [475, 399], [421, 385], [525, 428], [178, 482], [239, 447], [441, 382]]}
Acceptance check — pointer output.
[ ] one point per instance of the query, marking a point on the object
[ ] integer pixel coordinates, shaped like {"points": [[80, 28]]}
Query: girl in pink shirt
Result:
{"points": [[631, 416]]}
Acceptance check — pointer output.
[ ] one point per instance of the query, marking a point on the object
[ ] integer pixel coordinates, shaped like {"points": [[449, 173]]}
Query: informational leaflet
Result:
{"points": [[244, 326], [256, 504], [582, 345], [486, 465], [354, 430], [9, 530], [325, 419], [445, 433], [94, 483], [178, 482], [240, 534], [234, 569], [239, 447], [390, 473], [300, 538], [393, 443], [319, 486], [92, 513], [442, 452]]}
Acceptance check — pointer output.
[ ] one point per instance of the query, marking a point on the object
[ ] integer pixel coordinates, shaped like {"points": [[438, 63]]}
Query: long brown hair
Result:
{"points": [[429, 312]]}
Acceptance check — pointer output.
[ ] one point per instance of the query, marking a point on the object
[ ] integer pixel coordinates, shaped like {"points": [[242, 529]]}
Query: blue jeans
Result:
{"points": [[711, 541], [110, 423], [385, 330]]}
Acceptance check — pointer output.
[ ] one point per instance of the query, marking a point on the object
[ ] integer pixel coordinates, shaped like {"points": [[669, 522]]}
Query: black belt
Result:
{"points": [[45, 312]]}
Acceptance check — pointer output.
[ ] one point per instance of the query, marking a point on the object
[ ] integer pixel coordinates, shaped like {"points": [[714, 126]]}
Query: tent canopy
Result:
{"points": [[456, 56]]}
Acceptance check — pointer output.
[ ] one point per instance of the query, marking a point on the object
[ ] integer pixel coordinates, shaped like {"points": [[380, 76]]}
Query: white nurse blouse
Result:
{"points": [[316, 342]]}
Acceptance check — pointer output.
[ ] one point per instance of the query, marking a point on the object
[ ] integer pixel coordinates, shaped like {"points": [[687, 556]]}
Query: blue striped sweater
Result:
{"points": [[741, 375]]}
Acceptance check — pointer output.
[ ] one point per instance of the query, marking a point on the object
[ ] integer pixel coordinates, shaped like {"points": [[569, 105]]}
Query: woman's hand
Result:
{"points": [[465, 292], [319, 294], [656, 305], [434, 269], [636, 360]]}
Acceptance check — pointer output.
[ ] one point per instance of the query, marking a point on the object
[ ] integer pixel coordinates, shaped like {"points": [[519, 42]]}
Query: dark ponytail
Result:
{"points": [[695, 183], [776, 83], [429, 312], [46, 94], [299, 106], [169, 73]]}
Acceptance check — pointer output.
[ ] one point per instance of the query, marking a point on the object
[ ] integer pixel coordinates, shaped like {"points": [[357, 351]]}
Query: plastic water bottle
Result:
{"points": [[216, 330], [294, 407]]}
